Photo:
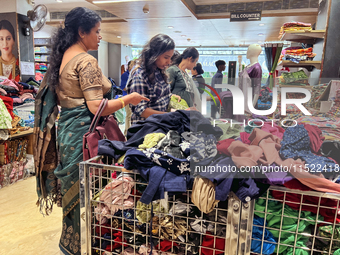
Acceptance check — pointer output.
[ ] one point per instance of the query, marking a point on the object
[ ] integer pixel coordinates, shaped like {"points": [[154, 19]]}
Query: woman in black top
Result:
{"points": [[197, 72]]}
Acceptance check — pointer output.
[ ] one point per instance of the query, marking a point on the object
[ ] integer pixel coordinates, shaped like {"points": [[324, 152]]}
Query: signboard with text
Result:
{"points": [[245, 16]]}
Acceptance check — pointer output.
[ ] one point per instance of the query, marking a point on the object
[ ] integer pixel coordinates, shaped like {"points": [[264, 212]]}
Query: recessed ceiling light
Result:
{"points": [[59, 1], [261, 24], [171, 27], [112, 1], [183, 35], [178, 32], [260, 34], [118, 36]]}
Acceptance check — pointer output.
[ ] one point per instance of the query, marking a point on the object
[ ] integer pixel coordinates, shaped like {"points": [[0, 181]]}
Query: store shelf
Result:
{"points": [[42, 61], [42, 53], [306, 64], [22, 133], [303, 37], [294, 86], [41, 45]]}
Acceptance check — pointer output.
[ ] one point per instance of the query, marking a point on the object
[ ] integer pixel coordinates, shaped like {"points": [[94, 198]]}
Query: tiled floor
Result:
{"points": [[23, 230]]}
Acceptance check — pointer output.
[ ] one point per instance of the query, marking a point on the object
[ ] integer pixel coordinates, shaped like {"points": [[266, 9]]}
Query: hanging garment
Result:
{"points": [[250, 77]]}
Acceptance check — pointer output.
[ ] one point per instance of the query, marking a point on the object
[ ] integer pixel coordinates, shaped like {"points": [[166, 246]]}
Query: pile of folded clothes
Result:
{"points": [[294, 26], [298, 78], [298, 55]]}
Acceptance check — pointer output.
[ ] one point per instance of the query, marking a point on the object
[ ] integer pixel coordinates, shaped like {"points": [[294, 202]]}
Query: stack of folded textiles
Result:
{"points": [[299, 55], [298, 78], [294, 26]]}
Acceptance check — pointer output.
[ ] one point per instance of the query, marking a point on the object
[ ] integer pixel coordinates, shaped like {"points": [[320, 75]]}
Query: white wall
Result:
{"points": [[114, 62], [103, 57], [126, 51], [22, 6], [8, 6], [46, 32]]}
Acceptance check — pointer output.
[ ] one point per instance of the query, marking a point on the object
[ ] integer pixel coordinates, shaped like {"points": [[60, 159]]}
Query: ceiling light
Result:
{"points": [[261, 24], [112, 1], [260, 34], [183, 35], [171, 27], [118, 36], [59, 1]]}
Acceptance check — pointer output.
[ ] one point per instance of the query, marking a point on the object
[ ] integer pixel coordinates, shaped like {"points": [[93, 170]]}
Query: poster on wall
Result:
{"points": [[9, 53]]}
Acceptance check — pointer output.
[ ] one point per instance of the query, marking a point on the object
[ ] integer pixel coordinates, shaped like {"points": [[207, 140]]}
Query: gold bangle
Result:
{"points": [[123, 103]]}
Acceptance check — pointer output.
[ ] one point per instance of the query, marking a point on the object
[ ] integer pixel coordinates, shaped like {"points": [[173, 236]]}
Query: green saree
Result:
{"points": [[58, 152]]}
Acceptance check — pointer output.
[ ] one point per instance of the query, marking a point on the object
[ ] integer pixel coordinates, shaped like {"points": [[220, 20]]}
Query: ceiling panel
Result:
{"points": [[210, 2], [66, 5], [139, 27], [157, 9]]}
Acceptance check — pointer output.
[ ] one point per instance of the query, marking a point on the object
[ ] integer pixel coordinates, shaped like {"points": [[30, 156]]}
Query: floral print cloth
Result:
{"points": [[6, 119]]}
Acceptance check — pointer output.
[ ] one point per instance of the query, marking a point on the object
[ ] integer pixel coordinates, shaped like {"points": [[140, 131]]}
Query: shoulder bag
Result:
{"points": [[107, 129]]}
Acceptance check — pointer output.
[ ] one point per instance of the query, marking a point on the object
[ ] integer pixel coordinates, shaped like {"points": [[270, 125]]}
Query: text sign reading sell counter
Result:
{"points": [[245, 16]]}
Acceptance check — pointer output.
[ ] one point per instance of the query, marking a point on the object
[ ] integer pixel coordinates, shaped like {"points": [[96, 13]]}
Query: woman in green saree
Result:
{"points": [[75, 83]]}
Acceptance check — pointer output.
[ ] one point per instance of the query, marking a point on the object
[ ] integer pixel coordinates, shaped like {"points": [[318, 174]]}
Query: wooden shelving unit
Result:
{"points": [[303, 37], [294, 86], [306, 64], [22, 133]]}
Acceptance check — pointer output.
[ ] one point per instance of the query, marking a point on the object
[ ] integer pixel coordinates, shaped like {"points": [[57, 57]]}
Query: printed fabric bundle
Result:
{"points": [[294, 26]]}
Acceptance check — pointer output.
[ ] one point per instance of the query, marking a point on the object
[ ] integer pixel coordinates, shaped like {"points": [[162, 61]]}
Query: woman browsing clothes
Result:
{"points": [[149, 79], [77, 84], [9, 65], [180, 82]]}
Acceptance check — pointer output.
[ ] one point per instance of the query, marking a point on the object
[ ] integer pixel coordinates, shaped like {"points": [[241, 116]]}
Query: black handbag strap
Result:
{"points": [[98, 114]]}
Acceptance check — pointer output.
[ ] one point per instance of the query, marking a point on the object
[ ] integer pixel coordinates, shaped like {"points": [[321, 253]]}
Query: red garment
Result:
{"points": [[274, 129], [8, 101], [117, 242], [103, 229], [208, 241], [327, 213], [16, 78], [165, 245], [222, 146], [315, 137], [245, 137]]}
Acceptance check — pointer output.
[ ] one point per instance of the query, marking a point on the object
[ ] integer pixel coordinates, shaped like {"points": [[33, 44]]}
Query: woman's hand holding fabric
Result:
{"points": [[179, 98]]}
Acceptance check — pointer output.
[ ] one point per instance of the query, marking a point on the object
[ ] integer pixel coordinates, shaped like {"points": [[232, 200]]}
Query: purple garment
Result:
{"points": [[250, 77], [276, 178], [255, 74]]}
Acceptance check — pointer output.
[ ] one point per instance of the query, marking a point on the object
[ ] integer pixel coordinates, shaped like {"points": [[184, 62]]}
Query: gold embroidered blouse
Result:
{"points": [[81, 80]]}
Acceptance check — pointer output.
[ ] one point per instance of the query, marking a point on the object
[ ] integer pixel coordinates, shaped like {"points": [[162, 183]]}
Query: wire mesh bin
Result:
{"points": [[118, 223], [296, 222]]}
